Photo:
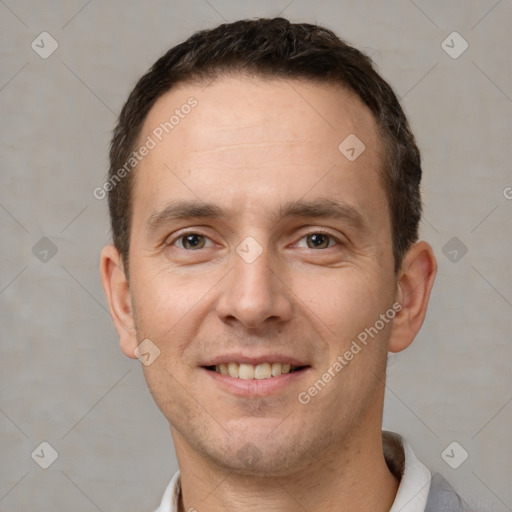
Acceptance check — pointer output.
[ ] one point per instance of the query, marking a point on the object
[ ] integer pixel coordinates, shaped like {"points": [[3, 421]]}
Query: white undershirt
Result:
{"points": [[411, 496]]}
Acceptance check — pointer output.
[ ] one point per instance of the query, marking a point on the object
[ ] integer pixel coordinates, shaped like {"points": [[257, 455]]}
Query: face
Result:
{"points": [[256, 240]]}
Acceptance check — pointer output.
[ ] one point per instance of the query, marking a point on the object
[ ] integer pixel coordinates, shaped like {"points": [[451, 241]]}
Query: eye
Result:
{"points": [[191, 241], [319, 240]]}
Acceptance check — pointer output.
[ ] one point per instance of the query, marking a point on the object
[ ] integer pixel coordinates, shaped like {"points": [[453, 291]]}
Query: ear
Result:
{"points": [[117, 290], [416, 278]]}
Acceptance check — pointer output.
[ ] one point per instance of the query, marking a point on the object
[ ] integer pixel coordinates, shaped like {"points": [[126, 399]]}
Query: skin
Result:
{"points": [[250, 146]]}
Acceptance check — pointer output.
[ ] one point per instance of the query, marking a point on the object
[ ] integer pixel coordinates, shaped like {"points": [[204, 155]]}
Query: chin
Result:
{"points": [[263, 454]]}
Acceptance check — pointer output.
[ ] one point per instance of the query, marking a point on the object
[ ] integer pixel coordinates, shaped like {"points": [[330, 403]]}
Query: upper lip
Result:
{"points": [[254, 360]]}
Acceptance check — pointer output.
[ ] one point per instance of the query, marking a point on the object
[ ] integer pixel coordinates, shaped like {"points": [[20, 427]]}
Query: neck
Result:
{"points": [[351, 477]]}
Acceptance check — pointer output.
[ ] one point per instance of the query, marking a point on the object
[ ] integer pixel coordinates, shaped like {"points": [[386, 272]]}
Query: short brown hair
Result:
{"points": [[275, 48]]}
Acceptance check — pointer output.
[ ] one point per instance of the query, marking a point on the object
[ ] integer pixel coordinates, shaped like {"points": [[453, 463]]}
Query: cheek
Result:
{"points": [[170, 309], [344, 300], [158, 306]]}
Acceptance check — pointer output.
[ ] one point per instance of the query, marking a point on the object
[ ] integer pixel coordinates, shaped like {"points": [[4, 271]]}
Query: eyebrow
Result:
{"points": [[318, 208]]}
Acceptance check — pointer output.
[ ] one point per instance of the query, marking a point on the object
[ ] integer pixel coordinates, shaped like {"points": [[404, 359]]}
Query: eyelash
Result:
{"points": [[314, 232]]}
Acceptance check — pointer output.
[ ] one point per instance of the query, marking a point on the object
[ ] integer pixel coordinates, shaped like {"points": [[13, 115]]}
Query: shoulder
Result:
{"points": [[442, 497]]}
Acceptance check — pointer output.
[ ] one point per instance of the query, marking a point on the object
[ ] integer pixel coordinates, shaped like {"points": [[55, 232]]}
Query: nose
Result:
{"points": [[254, 293]]}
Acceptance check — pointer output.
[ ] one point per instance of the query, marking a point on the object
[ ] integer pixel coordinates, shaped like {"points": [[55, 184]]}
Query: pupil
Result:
{"points": [[317, 239], [192, 240]]}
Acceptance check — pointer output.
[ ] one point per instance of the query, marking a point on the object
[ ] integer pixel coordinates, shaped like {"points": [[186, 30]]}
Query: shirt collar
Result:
{"points": [[414, 479], [171, 496], [412, 492]]}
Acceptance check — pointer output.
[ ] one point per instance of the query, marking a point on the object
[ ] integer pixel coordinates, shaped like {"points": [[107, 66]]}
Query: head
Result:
{"points": [[273, 214], [272, 48]]}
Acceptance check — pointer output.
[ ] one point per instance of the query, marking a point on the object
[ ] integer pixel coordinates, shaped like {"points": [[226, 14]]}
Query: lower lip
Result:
{"points": [[255, 387]]}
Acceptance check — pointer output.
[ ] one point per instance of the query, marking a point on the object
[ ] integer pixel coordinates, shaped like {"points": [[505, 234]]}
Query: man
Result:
{"points": [[264, 199]]}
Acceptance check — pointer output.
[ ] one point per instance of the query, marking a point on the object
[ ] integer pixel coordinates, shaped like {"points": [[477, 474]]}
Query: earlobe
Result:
{"points": [[117, 291], [416, 278]]}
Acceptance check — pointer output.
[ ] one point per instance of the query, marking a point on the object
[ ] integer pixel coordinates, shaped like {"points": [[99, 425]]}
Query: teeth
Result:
{"points": [[276, 369], [232, 369], [262, 371], [249, 371], [246, 371]]}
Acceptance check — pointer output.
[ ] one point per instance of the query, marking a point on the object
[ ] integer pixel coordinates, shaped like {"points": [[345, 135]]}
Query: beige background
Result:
{"points": [[63, 379]]}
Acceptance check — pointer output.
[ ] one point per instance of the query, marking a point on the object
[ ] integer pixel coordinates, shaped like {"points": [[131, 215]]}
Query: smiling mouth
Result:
{"points": [[257, 372]]}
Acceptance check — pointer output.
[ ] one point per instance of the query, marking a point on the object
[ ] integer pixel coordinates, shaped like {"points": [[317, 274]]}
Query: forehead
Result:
{"points": [[243, 103], [256, 136]]}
